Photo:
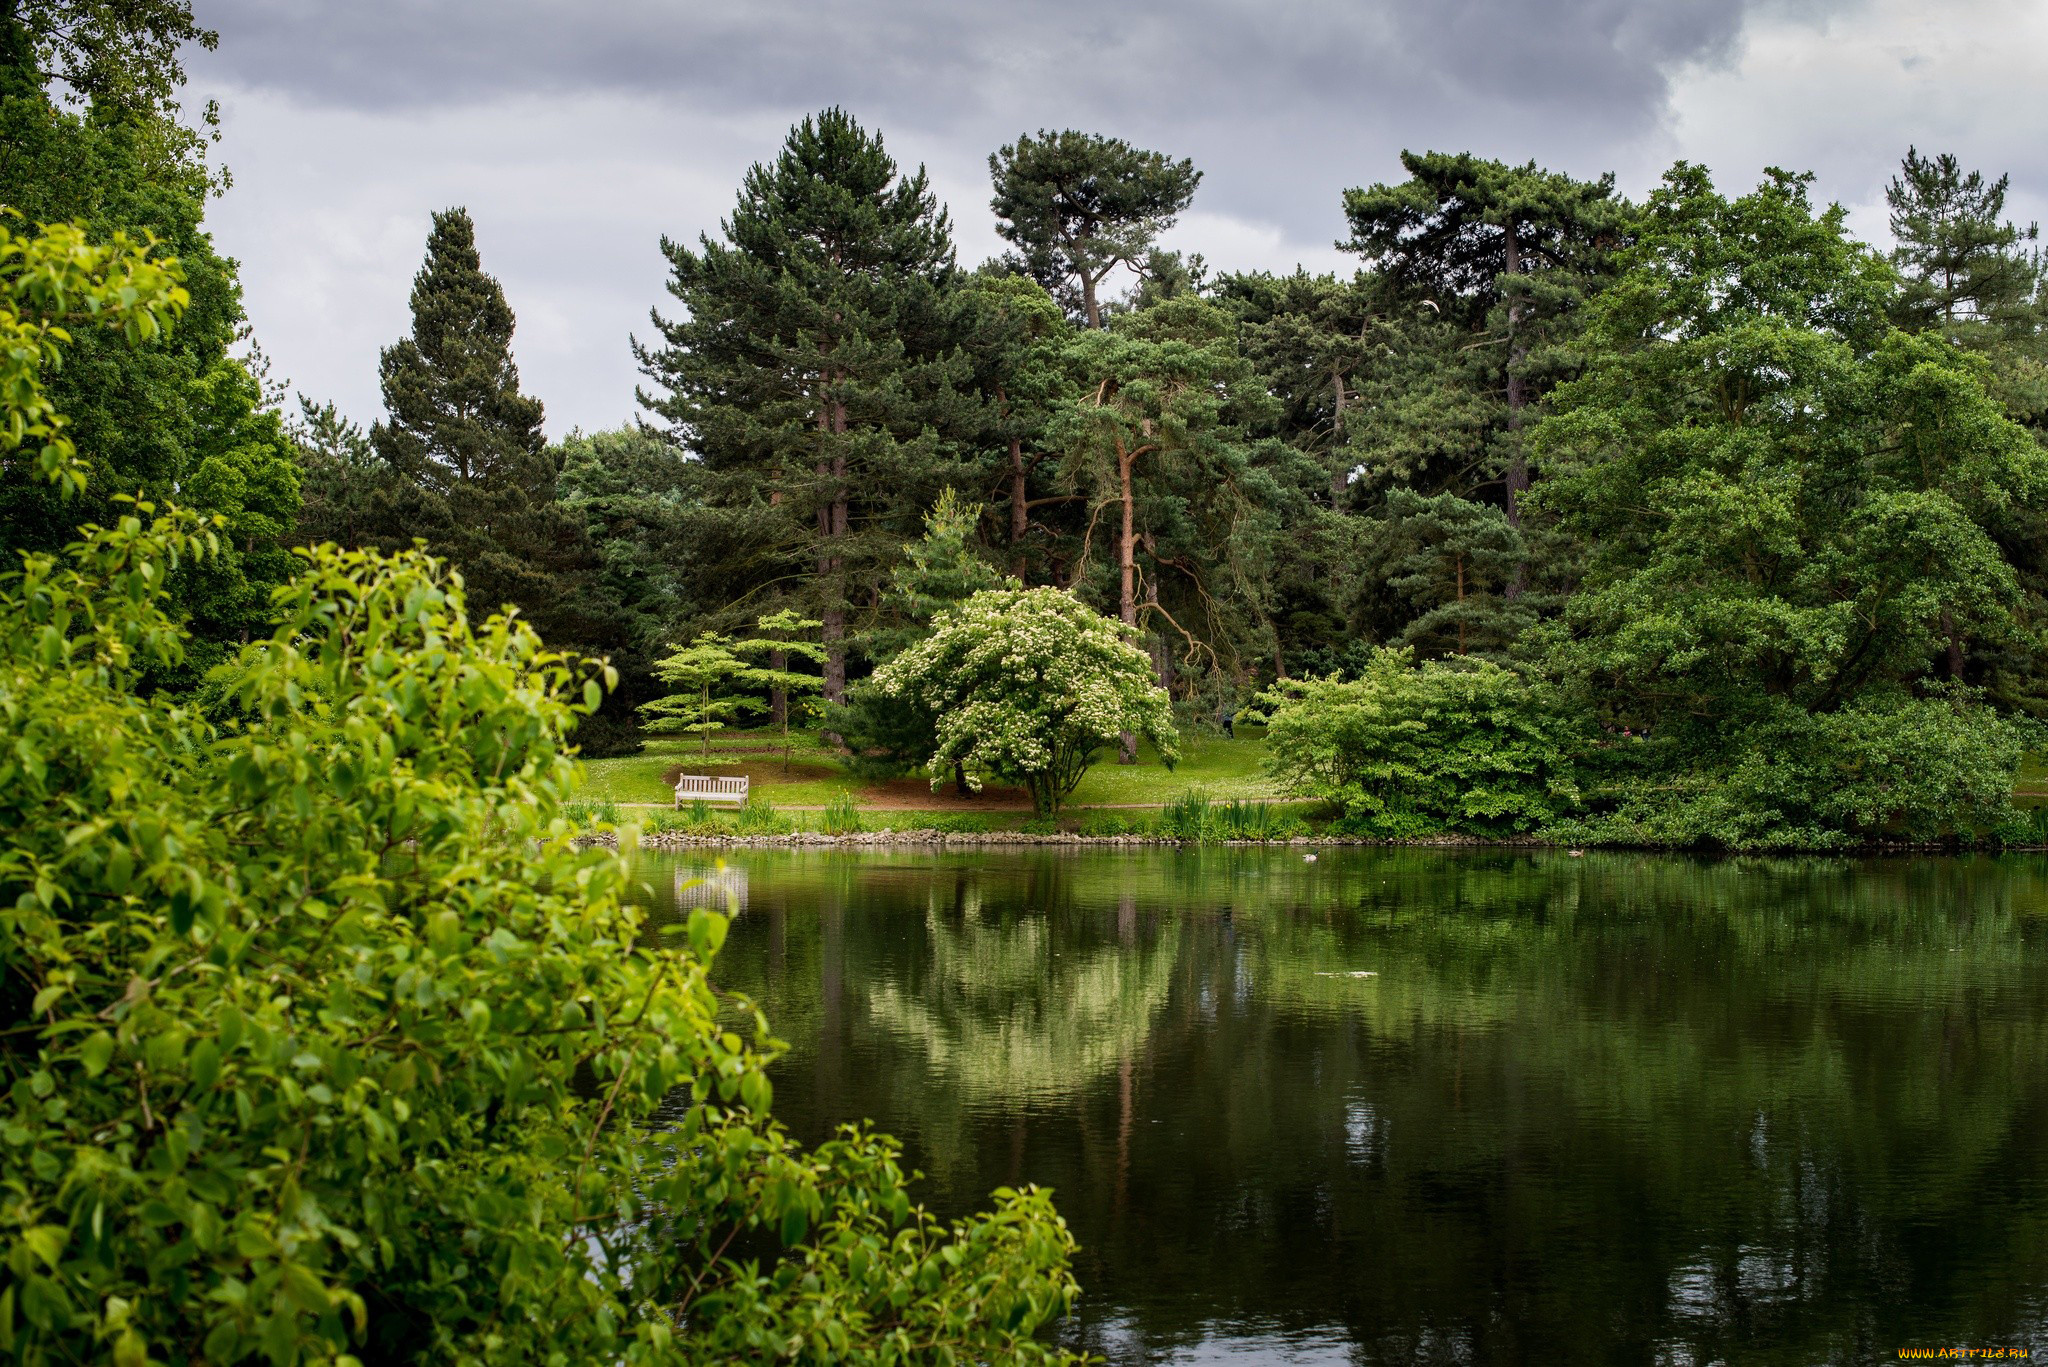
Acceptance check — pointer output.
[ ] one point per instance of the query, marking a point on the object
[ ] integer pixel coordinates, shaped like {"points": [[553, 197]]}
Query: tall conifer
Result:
{"points": [[1078, 205], [466, 447], [1511, 251], [814, 371], [1961, 261]]}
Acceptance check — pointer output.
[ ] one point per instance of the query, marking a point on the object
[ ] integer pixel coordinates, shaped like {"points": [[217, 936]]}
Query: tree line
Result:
{"points": [[1704, 465]]}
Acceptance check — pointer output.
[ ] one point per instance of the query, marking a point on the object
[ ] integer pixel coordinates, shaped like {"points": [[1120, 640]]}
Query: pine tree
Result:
{"points": [[1079, 205], [340, 477], [1155, 440], [1972, 275], [1510, 252], [1017, 338], [816, 373], [465, 447], [1453, 559], [1961, 263]]}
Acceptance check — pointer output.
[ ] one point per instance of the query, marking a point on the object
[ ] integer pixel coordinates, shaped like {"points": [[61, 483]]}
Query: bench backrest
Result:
{"points": [[697, 785]]}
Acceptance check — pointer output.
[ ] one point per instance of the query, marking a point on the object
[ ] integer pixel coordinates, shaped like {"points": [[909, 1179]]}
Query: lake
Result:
{"points": [[1398, 1106]]}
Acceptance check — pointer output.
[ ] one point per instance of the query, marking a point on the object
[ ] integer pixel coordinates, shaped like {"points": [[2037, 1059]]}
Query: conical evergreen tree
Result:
{"points": [[815, 372], [456, 414], [940, 570], [1453, 558], [472, 474]]}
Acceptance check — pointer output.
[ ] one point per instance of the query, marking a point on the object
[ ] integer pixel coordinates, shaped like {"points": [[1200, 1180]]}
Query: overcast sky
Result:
{"points": [[578, 133]]}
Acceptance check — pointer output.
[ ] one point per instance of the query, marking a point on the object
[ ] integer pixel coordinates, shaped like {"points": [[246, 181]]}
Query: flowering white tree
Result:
{"points": [[1028, 685]]}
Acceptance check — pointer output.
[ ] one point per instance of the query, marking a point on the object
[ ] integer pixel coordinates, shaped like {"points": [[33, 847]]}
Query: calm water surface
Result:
{"points": [[1403, 1107]]}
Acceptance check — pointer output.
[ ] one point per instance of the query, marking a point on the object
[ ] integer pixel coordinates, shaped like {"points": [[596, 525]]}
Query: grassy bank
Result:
{"points": [[815, 776], [1218, 791]]}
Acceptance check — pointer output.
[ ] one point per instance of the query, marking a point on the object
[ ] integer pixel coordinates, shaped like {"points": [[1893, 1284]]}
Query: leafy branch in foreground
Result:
{"points": [[334, 1045], [50, 282]]}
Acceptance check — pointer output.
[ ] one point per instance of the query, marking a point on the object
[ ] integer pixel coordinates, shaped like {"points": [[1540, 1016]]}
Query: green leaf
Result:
{"points": [[96, 1052], [46, 1242], [306, 1290]]}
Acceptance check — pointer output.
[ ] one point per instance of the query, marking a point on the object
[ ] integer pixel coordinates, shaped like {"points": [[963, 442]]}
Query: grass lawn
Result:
{"points": [[1221, 768]]}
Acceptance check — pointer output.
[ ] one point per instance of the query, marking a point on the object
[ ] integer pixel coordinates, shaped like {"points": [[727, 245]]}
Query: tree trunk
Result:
{"points": [[1088, 300], [1955, 644], [1517, 478], [1162, 649], [1339, 474], [1460, 562], [1127, 602], [834, 615], [1020, 507]]}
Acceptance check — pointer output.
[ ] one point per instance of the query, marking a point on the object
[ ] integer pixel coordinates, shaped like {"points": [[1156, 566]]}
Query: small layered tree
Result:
{"points": [[703, 673], [788, 634], [718, 685], [1028, 686]]}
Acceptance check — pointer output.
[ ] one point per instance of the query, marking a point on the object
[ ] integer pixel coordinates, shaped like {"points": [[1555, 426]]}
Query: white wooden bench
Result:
{"points": [[697, 788]]}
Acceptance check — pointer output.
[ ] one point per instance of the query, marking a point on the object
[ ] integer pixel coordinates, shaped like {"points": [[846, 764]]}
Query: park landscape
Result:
{"points": [[1486, 806]]}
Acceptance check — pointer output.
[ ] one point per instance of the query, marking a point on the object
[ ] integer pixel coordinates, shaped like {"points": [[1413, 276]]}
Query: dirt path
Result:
{"points": [[971, 805]]}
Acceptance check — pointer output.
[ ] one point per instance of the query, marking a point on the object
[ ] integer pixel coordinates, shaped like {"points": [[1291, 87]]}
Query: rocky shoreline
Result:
{"points": [[673, 840], [965, 840]]}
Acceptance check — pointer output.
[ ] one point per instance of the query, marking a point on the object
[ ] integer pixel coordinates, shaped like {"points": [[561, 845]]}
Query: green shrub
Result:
{"points": [[1242, 820], [1111, 823], [1887, 766], [759, 817], [1191, 816], [331, 1046], [1407, 751], [841, 816]]}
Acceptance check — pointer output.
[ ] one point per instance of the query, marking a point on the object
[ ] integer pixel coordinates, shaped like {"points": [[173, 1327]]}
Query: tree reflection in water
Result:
{"points": [[1617, 1108]]}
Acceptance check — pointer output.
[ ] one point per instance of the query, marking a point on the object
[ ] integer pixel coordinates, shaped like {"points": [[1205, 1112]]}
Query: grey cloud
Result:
{"points": [[932, 62], [1282, 103]]}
